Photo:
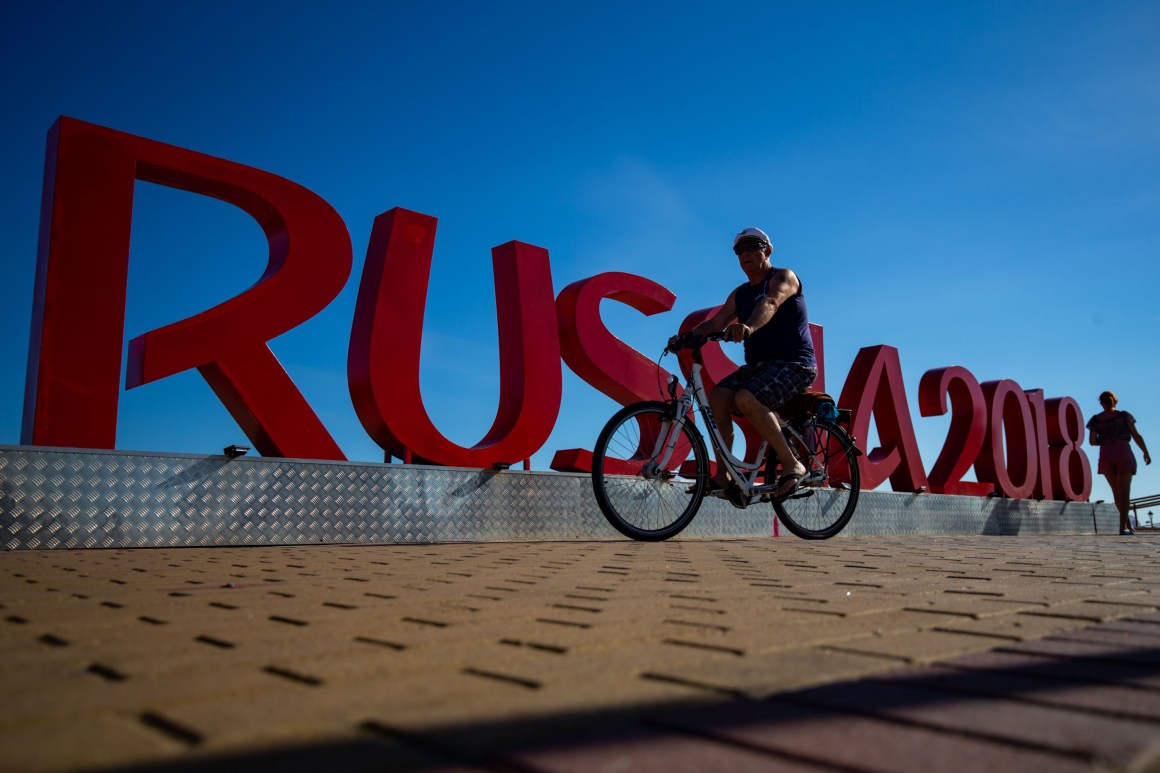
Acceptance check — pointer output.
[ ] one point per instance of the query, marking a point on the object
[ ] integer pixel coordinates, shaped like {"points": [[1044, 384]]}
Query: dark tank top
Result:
{"points": [[786, 337]]}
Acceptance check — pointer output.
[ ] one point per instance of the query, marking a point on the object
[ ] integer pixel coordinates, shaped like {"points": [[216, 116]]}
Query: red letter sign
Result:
{"points": [[599, 357], [967, 430], [383, 363], [78, 322], [1009, 421], [875, 386], [1043, 480], [1064, 437]]}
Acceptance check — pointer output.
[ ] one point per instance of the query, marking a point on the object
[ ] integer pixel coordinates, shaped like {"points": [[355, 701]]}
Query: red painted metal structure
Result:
{"points": [[82, 269], [383, 361], [1021, 444], [874, 387], [598, 356], [967, 431]]}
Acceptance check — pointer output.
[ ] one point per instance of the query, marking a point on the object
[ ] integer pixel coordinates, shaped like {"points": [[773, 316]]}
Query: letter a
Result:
{"points": [[874, 385]]}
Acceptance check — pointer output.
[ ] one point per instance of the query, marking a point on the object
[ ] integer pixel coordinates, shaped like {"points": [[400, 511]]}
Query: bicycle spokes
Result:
{"points": [[650, 495], [831, 479]]}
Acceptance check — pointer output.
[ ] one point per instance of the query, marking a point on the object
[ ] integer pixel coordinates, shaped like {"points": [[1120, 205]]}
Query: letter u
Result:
{"points": [[383, 359]]}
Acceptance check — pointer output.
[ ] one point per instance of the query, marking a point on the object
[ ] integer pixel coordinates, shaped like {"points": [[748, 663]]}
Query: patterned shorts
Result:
{"points": [[772, 383]]}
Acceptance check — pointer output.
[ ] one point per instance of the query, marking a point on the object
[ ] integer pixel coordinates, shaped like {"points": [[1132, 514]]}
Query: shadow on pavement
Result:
{"points": [[1056, 704]]}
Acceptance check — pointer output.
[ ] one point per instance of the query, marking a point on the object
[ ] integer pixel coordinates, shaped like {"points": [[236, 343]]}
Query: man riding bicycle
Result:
{"points": [[768, 313]]}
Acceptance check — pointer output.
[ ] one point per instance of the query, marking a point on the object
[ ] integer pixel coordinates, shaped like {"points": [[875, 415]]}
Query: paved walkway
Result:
{"points": [[889, 654]]}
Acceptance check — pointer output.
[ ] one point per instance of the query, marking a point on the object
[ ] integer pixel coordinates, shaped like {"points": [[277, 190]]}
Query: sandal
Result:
{"points": [[787, 484]]}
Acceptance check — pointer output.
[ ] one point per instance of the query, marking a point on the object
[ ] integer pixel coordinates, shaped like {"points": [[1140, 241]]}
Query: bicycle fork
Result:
{"points": [[663, 449]]}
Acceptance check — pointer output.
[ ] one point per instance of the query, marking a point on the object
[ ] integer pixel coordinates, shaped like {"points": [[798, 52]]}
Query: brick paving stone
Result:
{"points": [[354, 752], [1057, 646], [515, 718], [1062, 669], [640, 748], [83, 692], [972, 606], [1026, 684], [916, 646], [911, 699], [1092, 610], [761, 675], [781, 632], [1015, 627], [1114, 636], [1137, 623], [282, 712], [849, 741], [88, 742]]}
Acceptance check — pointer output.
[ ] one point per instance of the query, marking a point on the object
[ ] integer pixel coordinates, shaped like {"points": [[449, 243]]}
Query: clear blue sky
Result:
{"points": [[974, 183]]}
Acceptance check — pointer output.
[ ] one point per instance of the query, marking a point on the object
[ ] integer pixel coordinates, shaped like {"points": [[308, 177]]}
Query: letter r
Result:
{"points": [[74, 360]]}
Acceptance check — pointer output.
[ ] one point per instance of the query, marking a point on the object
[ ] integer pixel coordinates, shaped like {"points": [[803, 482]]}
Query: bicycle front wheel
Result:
{"points": [[829, 493], [645, 483]]}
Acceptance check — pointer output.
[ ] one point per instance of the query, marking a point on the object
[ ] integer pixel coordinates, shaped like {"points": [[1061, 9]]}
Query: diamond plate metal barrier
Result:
{"points": [[53, 498]]}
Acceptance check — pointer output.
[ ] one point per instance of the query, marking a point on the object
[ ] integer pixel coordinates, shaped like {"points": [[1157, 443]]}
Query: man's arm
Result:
{"points": [[726, 314], [783, 285]]}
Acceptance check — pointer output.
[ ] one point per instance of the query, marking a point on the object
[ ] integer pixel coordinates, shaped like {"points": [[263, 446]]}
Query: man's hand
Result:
{"points": [[689, 340], [737, 331]]}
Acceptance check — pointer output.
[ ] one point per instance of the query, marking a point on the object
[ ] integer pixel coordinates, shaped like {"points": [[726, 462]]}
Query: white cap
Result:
{"points": [[752, 233]]}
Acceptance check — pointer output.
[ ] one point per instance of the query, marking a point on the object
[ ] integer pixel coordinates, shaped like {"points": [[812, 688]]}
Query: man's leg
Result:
{"points": [[772, 385], [722, 404], [764, 421]]}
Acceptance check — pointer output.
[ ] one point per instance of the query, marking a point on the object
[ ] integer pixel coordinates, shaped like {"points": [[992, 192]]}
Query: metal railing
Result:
{"points": [[1135, 505]]}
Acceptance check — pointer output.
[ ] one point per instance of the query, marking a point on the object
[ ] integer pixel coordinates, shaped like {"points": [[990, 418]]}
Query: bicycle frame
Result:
{"points": [[743, 473]]}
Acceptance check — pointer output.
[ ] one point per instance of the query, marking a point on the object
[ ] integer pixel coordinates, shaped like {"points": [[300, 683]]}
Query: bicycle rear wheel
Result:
{"points": [[642, 494], [829, 493]]}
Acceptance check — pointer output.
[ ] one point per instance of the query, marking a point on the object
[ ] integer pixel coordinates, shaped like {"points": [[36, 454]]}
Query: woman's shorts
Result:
{"points": [[1116, 458], [772, 383]]}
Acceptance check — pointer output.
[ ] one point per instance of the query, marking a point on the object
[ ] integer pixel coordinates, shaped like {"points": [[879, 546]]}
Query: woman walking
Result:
{"points": [[1111, 430]]}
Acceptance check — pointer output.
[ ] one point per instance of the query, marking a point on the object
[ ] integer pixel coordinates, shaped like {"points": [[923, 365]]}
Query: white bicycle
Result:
{"points": [[649, 488]]}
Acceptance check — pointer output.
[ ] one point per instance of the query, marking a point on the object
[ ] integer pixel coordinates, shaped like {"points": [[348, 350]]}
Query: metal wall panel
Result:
{"points": [[68, 498]]}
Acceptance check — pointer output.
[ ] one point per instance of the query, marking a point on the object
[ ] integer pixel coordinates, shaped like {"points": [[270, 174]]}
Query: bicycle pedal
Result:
{"points": [[813, 478]]}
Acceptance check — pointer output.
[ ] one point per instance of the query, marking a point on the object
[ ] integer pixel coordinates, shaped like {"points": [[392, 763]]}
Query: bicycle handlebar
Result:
{"points": [[692, 340]]}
